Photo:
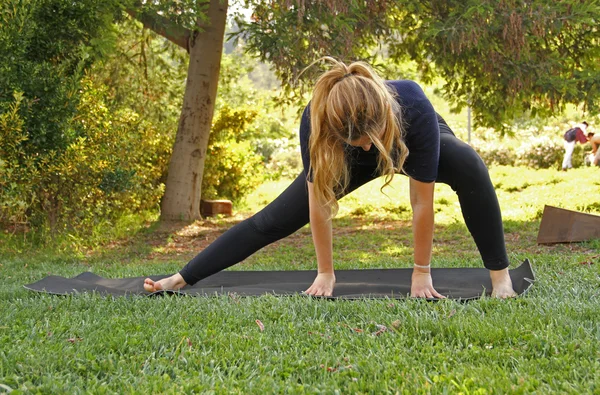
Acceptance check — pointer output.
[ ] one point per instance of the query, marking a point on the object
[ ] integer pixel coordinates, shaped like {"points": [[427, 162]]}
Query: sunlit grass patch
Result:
{"points": [[546, 341]]}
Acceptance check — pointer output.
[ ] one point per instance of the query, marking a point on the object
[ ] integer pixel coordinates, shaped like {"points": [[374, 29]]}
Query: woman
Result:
{"points": [[356, 128]]}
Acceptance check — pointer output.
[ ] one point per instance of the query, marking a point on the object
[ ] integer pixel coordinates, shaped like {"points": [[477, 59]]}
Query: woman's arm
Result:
{"points": [[421, 200], [320, 225]]}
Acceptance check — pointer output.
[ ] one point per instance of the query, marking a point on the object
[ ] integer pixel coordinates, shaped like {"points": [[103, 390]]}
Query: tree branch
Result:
{"points": [[163, 26]]}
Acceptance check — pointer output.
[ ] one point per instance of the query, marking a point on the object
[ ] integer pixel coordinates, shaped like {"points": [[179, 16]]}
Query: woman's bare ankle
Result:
{"points": [[175, 282]]}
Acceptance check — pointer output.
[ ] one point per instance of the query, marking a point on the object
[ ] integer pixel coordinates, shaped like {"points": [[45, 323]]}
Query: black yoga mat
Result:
{"points": [[455, 283]]}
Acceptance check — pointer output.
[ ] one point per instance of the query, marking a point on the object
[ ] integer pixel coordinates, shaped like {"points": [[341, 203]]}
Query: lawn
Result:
{"points": [[547, 341]]}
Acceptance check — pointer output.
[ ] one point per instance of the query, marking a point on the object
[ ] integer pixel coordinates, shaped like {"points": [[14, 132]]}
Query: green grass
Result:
{"points": [[545, 342]]}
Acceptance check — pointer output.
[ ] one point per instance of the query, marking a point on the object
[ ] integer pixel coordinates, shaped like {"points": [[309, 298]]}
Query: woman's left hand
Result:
{"points": [[421, 200], [322, 286], [422, 286]]}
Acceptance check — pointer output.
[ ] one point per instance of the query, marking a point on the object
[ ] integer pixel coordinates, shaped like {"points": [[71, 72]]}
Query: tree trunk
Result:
{"points": [[181, 201]]}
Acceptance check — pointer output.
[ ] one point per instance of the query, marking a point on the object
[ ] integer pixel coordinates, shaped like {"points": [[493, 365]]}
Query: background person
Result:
{"points": [[595, 154], [571, 137]]}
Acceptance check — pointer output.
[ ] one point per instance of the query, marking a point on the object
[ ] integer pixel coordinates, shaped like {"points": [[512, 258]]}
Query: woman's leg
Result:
{"points": [[463, 170], [282, 217]]}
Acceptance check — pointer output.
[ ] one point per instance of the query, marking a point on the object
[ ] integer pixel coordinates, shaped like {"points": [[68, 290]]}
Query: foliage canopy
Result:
{"points": [[504, 58]]}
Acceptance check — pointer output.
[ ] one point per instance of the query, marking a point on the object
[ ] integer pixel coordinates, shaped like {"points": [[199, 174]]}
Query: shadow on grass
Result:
{"points": [[362, 240], [359, 243]]}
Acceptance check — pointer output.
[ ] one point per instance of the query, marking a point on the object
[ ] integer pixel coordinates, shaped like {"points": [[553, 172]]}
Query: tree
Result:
{"points": [[199, 27], [503, 57], [508, 57], [46, 46]]}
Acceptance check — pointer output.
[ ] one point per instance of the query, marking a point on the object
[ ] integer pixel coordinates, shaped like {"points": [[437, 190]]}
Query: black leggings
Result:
{"points": [[460, 167]]}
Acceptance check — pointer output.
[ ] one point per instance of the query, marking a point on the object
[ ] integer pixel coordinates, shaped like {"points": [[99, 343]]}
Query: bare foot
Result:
{"points": [[174, 282], [501, 284]]}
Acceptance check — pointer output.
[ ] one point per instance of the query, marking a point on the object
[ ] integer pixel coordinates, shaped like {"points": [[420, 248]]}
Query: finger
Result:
{"points": [[439, 295], [436, 294]]}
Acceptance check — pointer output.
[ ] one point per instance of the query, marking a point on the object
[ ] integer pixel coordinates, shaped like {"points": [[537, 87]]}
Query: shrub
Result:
{"points": [[46, 46], [579, 154], [54, 156], [232, 168], [246, 136], [112, 168], [285, 161], [547, 152], [495, 154], [540, 153], [18, 175]]}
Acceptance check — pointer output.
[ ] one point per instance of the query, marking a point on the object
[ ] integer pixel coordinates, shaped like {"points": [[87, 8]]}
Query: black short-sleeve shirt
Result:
{"points": [[421, 135]]}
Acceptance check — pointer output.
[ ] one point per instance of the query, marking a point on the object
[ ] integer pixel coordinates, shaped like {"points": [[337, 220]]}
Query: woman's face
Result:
{"points": [[364, 142]]}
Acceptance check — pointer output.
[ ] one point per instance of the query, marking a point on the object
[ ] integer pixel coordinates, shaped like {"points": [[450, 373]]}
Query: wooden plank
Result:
{"points": [[210, 208], [567, 226]]}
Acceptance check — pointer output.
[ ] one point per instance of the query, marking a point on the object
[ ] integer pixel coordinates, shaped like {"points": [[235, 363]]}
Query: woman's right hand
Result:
{"points": [[322, 286], [320, 226], [422, 285]]}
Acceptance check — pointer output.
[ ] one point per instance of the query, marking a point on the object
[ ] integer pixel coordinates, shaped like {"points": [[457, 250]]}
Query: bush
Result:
{"points": [[285, 160], [112, 168], [18, 175], [248, 133], [52, 157], [46, 46], [540, 153], [494, 154], [231, 171], [232, 168], [286, 164], [579, 154], [545, 152]]}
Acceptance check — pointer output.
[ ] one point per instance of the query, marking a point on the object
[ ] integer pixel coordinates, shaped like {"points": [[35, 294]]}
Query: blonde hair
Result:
{"points": [[349, 102]]}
